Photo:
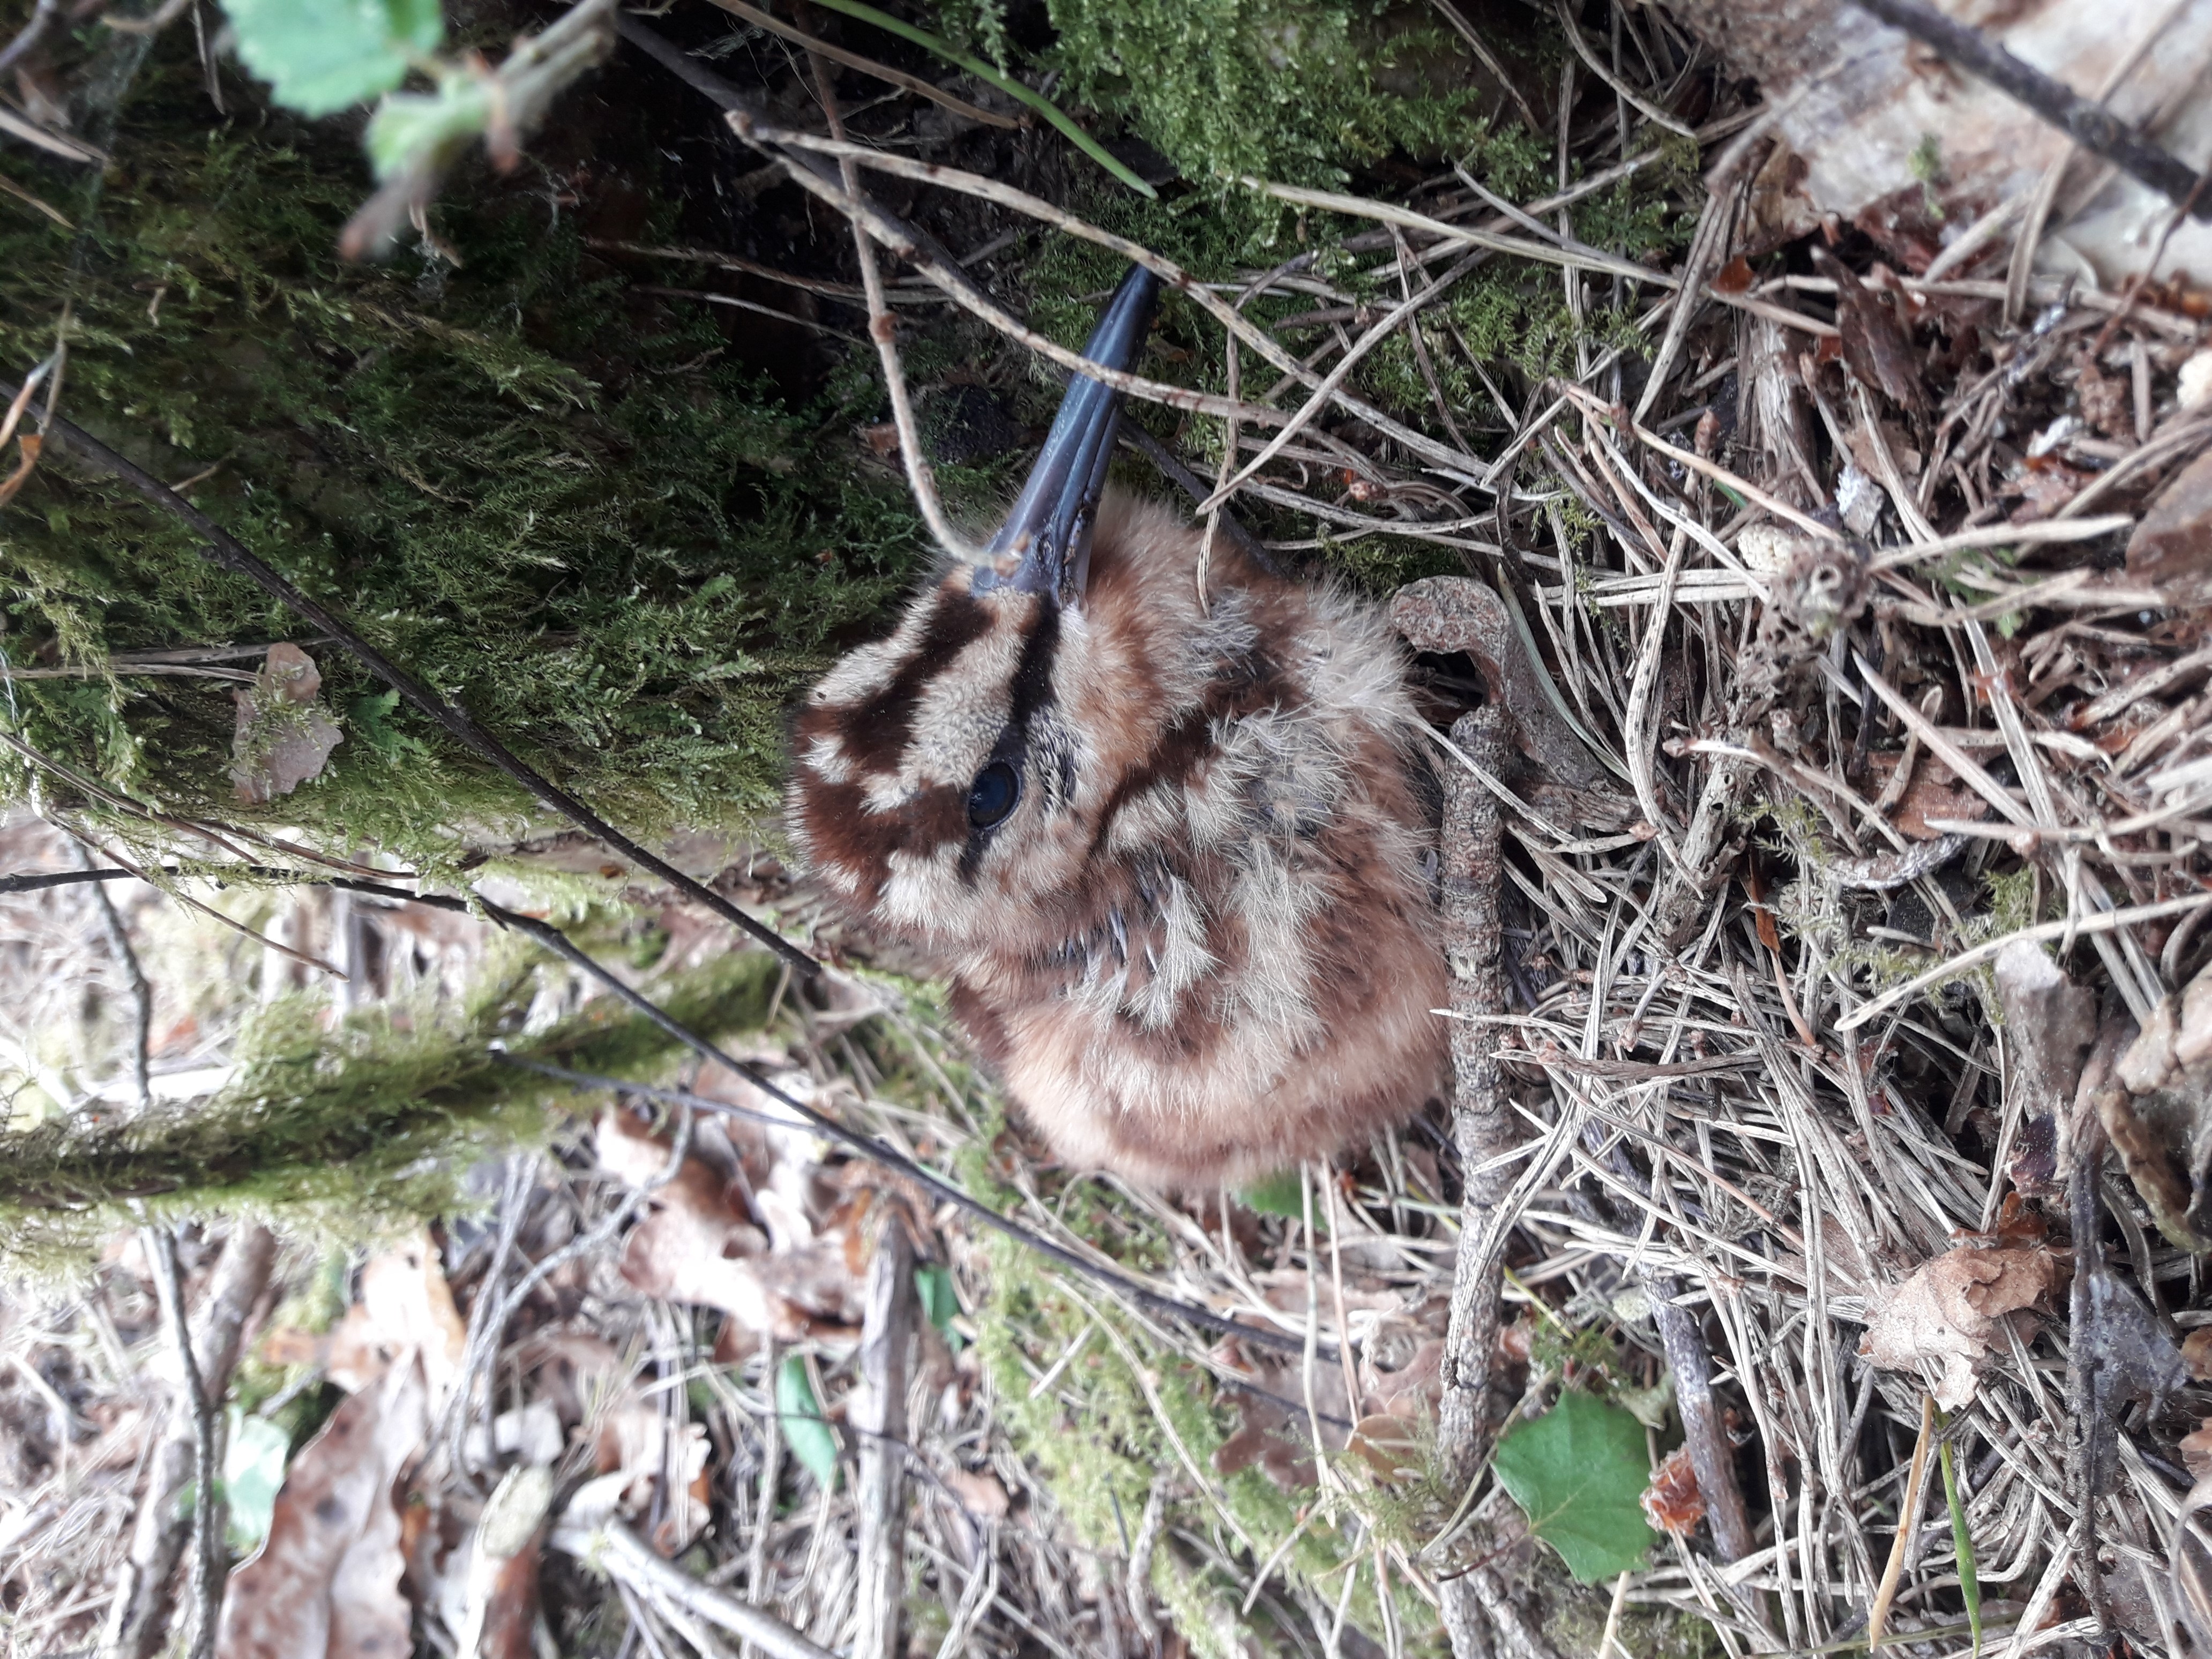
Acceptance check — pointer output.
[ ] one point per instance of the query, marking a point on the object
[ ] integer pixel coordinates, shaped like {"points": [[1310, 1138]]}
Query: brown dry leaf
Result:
{"points": [[1672, 1502], [500, 1609], [1936, 792], [283, 737], [2196, 1449], [2107, 403], [979, 1491], [405, 1306], [1868, 453], [696, 1245], [569, 1369], [1413, 1389], [326, 1583], [1389, 1446], [2197, 1352], [1948, 1312], [634, 1447], [1733, 278], [2045, 485], [1876, 347], [2161, 1118]]}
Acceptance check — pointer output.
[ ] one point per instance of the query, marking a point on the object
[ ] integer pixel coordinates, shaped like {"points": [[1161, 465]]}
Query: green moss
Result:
{"points": [[1100, 1457], [1295, 90], [559, 503], [355, 1125]]}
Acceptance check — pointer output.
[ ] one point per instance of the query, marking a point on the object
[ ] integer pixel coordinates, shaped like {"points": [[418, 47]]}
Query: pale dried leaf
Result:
{"points": [[979, 1491], [697, 1244], [1949, 1311], [282, 737], [633, 1442]]}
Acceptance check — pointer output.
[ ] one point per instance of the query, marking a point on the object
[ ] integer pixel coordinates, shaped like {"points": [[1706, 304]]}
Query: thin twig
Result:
{"points": [[42, 16], [138, 1622], [134, 977], [868, 66], [879, 1415], [621, 1553], [160, 1246], [1482, 1120]]}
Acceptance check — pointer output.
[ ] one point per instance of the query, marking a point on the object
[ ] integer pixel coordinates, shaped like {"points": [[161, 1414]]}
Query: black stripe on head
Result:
{"points": [[1030, 691], [874, 732]]}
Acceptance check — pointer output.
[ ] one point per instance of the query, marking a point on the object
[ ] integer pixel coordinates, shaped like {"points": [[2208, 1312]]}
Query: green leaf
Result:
{"points": [[933, 1284], [1962, 1545], [1579, 1472], [408, 126], [1276, 1194], [808, 1433], [252, 1471], [323, 56]]}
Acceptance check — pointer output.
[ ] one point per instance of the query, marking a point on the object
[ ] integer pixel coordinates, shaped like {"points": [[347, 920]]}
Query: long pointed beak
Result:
{"points": [[1050, 526]]}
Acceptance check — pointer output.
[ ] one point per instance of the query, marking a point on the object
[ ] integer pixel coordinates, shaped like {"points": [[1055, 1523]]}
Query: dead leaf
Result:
{"points": [[282, 737], [2107, 401], [979, 1491], [1389, 1446], [2171, 547], [1933, 792], [2175, 1040], [634, 1442], [501, 1607], [2196, 1449], [1672, 1502], [2132, 1359], [570, 1370], [696, 1245], [1413, 1389], [1733, 278], [1876, 347], [1948, 1312], [405, 1307], [2159, 1117], [1868, 452], [2050, 1024], [2197, 1352], [326, 1580], [2045, 485]]}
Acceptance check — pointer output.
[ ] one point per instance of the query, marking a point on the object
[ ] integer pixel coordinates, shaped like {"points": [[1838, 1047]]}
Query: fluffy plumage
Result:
{"points": [[1199, 947]]}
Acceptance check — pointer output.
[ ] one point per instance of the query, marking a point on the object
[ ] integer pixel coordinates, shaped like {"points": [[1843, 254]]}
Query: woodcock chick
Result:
{"points": [[1166, 848]]}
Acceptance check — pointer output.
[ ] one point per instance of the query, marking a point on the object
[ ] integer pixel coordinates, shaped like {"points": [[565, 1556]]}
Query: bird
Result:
{"points": [[1170, 847]]}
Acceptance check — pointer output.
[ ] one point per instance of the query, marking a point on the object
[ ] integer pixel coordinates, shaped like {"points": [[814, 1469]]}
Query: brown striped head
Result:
{"points": [[932, 769], [934, 772]]}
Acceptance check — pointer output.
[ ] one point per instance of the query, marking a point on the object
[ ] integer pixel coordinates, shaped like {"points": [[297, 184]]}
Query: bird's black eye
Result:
{"points": [[997, 788]]}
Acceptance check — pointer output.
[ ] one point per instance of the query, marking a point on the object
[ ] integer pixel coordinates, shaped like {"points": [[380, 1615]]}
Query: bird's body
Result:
{"points": [[1166, 848], [1199, 948]]}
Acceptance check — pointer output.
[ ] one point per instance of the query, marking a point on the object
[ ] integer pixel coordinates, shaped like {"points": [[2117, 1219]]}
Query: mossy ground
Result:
{"points": [[567, 506]]}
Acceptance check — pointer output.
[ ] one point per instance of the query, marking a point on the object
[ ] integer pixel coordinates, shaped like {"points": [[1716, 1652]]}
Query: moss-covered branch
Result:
{"points": [[374, 1117]]}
